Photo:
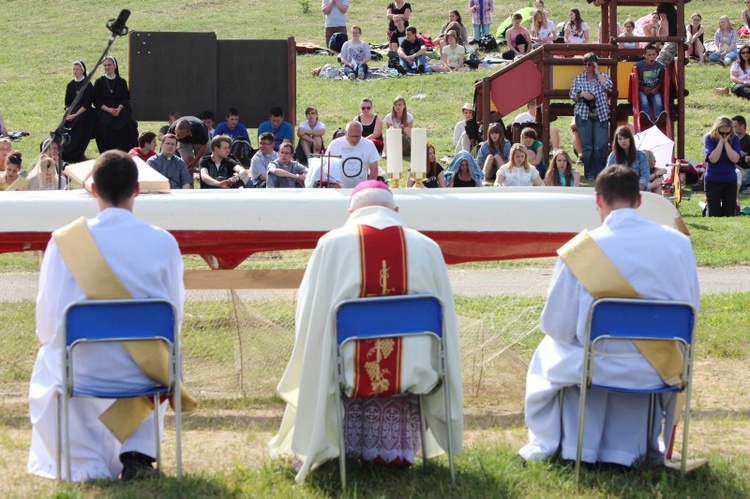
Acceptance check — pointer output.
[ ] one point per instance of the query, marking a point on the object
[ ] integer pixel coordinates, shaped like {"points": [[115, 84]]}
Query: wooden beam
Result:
{"points": [[243, 279]]}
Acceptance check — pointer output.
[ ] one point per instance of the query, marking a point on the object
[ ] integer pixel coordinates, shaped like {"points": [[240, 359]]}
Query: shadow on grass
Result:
{"points": [[498, 472], [430, 480], [165, 487], [658, 481]]}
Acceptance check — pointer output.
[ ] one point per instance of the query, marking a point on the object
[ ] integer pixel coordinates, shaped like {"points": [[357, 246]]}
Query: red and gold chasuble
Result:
{"points": [[383, 271]]}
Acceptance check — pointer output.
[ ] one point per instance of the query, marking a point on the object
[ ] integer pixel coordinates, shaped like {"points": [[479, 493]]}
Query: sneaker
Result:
{"points": [[645, 118], [661, 119], [351, 76], [420, 69], [137, 466], [361, 75], [400, 69]]}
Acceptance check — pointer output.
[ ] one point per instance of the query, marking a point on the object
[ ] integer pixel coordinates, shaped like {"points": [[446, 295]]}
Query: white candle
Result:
{"points": [[395, 158], [419, 150]]}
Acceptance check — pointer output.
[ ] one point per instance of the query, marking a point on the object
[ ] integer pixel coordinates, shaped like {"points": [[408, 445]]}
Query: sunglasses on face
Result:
{"points": [[365, 108], [724, 134]]}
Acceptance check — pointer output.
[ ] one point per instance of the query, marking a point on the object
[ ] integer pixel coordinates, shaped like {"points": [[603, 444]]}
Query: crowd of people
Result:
{"points": [[185, 150]]}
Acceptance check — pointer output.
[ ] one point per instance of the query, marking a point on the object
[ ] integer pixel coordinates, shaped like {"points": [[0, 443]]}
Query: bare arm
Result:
{"points": [[733, 76], [372, 169], [377, 132], [208, 179], [534, 157]]}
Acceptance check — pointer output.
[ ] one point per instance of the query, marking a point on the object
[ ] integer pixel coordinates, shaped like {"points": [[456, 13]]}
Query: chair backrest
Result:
{"points": [[129, 319], [642, 319], [389, 316]]}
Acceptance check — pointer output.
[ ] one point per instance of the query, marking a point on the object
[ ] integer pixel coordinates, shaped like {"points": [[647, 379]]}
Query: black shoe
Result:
{"points": [[420, 69], [661, 119], [137, 466], [645, 118], [400, 69]]}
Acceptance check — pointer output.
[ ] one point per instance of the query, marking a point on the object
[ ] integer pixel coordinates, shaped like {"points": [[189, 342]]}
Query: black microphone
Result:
{"points": [[117, 26]]}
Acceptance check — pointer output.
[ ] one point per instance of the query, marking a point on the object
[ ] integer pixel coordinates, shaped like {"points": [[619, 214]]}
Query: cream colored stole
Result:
{"points": [[98, 282], [601, 278]]}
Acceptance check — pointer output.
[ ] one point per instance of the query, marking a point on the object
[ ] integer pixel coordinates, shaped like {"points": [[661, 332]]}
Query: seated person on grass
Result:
{"points": [[232, 126], [219, 171], [209, 121], [170, 165], [310, 133], [355, 54], [452, 56], [535, 149], [146, 146], [412, 53], [281, 130], [261, 159], [284, 171]]}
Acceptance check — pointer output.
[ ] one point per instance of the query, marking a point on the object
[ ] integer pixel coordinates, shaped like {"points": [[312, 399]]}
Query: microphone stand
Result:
{"points": [[58, 135]]}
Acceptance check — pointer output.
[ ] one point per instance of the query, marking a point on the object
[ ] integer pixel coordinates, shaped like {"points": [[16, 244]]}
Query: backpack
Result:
{"points": [[488, 43], [472, 61], [242, 152], [337, 41], [428, 43]]}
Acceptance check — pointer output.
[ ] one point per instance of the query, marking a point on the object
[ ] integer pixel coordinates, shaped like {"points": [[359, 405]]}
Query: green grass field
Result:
{"points": [[225, 444]]}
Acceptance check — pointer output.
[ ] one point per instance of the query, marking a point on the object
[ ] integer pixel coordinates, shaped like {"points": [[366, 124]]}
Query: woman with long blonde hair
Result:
{"points": [[517, 171], [543, 30], [721, 148], [725, 39]]}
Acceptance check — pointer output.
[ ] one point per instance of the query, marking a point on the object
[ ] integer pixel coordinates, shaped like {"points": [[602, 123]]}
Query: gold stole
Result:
{"points": [[602, 278], [98, 282]]}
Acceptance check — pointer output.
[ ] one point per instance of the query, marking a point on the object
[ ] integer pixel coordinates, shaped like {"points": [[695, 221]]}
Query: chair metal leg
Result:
{"points": [[686, 427], [178, 427], [650, 425], [448, 414], [422, 432], [58, 437], [157, 408], [66, 433], [581, 421], [342, 445]]}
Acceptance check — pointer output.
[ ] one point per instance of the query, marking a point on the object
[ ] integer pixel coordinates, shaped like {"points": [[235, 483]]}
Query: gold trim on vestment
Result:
{"points": [[96, 279], [602, 279]]}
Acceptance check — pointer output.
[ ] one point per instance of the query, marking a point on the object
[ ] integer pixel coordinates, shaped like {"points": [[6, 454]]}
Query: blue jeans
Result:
{"points": [[481, 30], [728, 57], [422, 59], [593, 135], [651, 100], [355, 69]]}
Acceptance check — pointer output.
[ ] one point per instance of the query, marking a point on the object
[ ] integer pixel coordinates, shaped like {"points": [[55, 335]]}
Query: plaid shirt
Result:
{"points": [[599, 91]]}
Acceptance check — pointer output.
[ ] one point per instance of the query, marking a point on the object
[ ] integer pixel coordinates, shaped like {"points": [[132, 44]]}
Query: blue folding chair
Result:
{"points": [[98, 321], [390, 317], [635, 319]]}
